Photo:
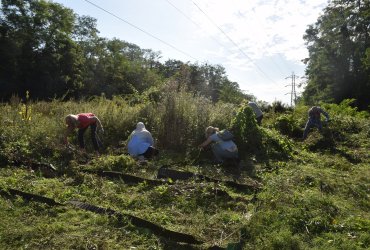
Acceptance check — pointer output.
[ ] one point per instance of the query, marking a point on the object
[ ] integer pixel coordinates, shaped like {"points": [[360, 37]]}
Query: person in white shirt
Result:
{"points": [[141, 142]]}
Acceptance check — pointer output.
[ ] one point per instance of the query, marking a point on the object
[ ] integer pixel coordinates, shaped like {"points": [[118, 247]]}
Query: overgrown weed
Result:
{"points": [[313, 193]]}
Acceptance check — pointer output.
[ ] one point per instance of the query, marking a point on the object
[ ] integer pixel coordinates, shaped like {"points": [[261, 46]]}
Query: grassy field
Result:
{"points": [[311, 194]]}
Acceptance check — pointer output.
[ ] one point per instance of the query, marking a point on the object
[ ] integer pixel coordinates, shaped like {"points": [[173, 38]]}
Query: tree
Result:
{"points": [[231, 93], [337, 44], [50, 51], [38, 53]]}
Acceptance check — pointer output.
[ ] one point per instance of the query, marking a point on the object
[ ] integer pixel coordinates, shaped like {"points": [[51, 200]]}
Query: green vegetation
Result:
{"points": [[311, 194], [314, 193], [338, 66], [52, 52]]}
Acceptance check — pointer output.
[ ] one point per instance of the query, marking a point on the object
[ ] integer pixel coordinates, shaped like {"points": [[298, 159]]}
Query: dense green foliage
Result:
{"points": [[177, 121], [314, 193], [310, 194], [338, 62], [252, 139], [52, 52]]}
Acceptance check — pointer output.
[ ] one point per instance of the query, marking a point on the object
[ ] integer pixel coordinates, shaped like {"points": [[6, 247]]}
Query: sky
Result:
{"points": [[258, 42]]}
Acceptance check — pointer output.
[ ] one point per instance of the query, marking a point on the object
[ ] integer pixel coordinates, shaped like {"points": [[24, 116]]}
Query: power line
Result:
{"points": [[138, 28], [196, 24], [276, 64], [235, 44], [183, 14], [283, 60]]}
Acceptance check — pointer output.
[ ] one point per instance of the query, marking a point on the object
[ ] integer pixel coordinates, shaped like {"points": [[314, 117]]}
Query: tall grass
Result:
{"points": [[177, 121]]}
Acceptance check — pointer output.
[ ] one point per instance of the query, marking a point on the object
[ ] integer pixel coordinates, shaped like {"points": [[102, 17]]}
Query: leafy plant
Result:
{"points": [[255, 140], [287, 125], [117, 163]]}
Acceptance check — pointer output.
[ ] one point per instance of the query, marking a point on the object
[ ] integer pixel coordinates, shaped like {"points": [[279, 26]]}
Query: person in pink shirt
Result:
{"points": [[82, 122]]}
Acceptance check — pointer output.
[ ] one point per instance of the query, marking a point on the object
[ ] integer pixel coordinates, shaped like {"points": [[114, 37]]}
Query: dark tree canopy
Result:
{"points": [[37, 52], [50, 51], [338, 63]]}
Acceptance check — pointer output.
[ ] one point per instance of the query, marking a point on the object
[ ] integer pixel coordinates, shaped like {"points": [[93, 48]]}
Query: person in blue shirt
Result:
{"points": [[314, 120], [222, 150], [140, 144]]}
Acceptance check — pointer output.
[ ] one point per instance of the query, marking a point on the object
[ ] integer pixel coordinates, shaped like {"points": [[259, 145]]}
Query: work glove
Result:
{"points": [[101, 130]]}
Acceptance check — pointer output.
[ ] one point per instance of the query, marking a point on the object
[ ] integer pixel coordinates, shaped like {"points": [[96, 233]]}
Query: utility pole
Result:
{"points": [[293, 93]]}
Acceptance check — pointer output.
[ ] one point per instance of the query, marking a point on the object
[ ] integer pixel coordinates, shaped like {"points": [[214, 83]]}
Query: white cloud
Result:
{"points": [[269, 32], [259, 28]]}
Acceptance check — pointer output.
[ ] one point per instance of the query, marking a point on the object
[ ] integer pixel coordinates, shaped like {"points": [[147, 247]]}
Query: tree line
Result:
{"points": [[338, 66], [52, 52]]}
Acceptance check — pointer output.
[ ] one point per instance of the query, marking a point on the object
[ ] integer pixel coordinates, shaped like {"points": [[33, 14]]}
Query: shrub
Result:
{"points": [[279, 107], [275, 146], [248, 135], [252, 139], [317, 142], [287, 125]]}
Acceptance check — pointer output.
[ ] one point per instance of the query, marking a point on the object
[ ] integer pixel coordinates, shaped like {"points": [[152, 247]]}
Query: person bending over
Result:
{"points": [[82, 122], [314, 119], [222, 149]]}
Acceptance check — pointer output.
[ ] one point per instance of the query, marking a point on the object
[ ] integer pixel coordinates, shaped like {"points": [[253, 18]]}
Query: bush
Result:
{"points": [[287, 125], [279, 107], [247, 133], [317, 141], [275, 146], [252, 139]]}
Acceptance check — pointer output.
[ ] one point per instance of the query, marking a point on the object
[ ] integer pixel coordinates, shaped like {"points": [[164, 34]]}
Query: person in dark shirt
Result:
{"points": [[314, 120]]}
